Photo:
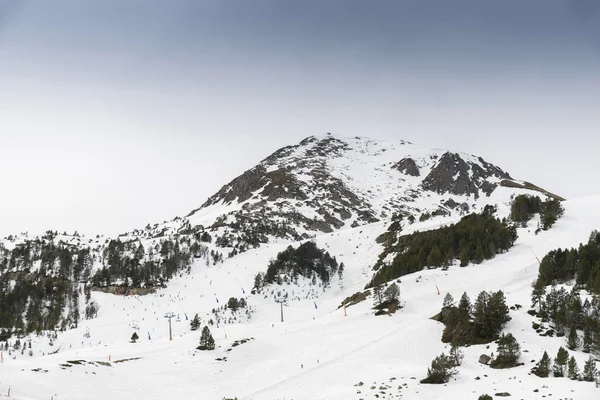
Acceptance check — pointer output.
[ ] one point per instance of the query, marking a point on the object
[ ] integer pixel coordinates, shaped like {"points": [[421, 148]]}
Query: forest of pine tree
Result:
{"points": [[480, 323], [524, 207], [570, 316], [307, 260], [581, 264], [475, 238], [41, 279]]}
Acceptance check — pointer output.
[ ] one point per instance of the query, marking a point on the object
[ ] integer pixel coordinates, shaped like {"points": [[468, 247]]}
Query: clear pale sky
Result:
{"points": [[119, 113]]}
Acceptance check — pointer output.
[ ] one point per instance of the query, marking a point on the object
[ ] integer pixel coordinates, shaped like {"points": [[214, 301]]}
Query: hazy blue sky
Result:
{"points": [[114, 114]]}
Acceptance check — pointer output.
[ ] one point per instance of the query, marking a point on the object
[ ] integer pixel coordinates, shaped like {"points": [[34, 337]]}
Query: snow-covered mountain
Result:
{"points": [[321, 185], [340, 193], [326, 183]]}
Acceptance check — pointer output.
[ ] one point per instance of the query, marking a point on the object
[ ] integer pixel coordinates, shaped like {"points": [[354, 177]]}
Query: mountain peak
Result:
{"points": [[326, 182]]}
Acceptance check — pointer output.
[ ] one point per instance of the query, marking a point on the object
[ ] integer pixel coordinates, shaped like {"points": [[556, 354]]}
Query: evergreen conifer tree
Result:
{"points": [[509, 352], [573, 369], [206, 340], [441, 370], [456, 355], [448, 301], [560, 362], [134, 337], [590, 371], [464, 307], [587, 337], [537, 293], [542, 368], [392, 293], [195, 323], [573, 340], [378, 294], [490, 313]]}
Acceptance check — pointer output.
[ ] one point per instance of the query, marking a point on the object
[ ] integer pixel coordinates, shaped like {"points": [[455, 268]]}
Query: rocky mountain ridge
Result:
{"points": [[325, 183]]}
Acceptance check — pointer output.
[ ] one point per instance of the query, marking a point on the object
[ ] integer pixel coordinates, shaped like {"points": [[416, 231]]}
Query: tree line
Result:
{"points": [[475, 238], [41, 279], [467, 324], [581, 264], [306, 260], [524, 207]]}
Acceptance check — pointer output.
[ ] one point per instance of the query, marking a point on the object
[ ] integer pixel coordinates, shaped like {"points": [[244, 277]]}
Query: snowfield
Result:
{"points": [[317, 352]]}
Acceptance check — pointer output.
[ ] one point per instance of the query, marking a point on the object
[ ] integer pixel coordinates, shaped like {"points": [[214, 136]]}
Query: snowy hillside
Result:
{"points": [[289, 338], [316, 352]]}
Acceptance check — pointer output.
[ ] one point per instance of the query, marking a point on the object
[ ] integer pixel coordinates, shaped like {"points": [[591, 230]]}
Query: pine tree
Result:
{"points": [[538, 292], [542, 368], [573, 340], [378, 294], [590, 371], [206, 340], [441, 370], [560, 362], [509, 352], [456, 355], [573, 369], [587, 337], [480, 312], [497, 312], [134, 337], [392, 293], [195, 323], [490, 313], [448, 301], [464, 307]]}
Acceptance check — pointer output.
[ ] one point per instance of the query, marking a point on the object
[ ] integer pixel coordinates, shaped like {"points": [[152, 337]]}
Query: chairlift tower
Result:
{"points": [[280, 301], [170, 315]]}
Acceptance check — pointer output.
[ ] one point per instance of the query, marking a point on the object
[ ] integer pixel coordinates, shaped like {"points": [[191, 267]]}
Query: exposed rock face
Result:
{"points": [[484, 359], [240, 188], [407, 166], [452, 174]]}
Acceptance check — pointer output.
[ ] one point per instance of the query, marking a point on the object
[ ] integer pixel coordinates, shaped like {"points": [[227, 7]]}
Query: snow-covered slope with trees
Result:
{"points": [[288, 338]]}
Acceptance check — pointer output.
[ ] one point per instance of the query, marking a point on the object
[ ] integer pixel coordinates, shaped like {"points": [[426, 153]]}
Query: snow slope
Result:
{"points": [[316, 353]]}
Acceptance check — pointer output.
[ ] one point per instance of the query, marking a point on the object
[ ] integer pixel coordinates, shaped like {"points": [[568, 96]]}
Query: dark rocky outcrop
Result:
{"points": [[407, 166], [452, 174]]}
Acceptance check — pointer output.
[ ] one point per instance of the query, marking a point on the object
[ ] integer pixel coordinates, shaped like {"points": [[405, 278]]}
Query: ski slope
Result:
{"points": [[316, 352]]}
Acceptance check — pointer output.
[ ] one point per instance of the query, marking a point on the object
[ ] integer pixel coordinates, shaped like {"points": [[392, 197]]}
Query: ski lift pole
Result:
{"points": [[243, 291], [186, 317], [536, 257]]}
